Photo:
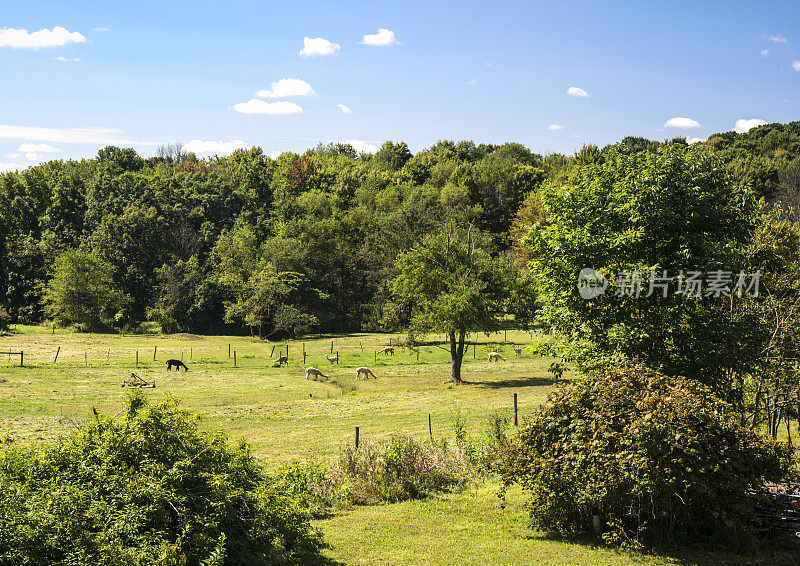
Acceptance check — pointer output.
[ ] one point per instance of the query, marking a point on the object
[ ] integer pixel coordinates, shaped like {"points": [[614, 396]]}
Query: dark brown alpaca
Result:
{"points": [[178, 365]]}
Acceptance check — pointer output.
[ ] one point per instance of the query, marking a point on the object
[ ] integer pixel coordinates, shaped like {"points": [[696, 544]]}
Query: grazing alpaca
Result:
{"points": [[332, 359], [517, 350], [281, 360], [387, 350], [494, 356], [365, 372], [316, 373], [178, 365]]}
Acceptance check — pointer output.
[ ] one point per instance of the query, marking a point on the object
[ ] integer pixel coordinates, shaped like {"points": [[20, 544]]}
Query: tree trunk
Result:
{"points": [[456, 356]]}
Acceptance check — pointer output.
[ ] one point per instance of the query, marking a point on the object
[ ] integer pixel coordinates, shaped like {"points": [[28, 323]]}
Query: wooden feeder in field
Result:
{"points": [[136, 381]]}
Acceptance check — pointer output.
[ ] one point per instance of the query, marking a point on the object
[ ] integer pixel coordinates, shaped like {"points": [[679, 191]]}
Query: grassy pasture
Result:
{"points": [[283, 415]]}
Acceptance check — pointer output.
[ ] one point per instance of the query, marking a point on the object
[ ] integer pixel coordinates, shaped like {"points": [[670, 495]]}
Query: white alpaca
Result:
{"points": [[332, 359], [494, 356], [387, 350], [281, 360], [365, 372], [517, 350], [316, 373]]}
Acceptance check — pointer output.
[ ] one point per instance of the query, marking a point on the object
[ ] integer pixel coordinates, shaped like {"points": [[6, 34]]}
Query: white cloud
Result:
{"points": [[67, 59], [575, 91], [690, 141], [73, 135], [318, 47], [21, 39], [765, 52], [796, 65], [100, 28], [777, 38], [12, 155], [255, 106], [216, 147], [742, 125], [383, 38], [344, 109], [274, 154], [555, 127], [361, 146], [33, 156], [6, 167], [682, 123], [38, 147], [287, 87], [473, 82]]}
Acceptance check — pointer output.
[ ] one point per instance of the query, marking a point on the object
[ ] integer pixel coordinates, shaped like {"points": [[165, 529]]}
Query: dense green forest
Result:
{"points": [[299, 243]]}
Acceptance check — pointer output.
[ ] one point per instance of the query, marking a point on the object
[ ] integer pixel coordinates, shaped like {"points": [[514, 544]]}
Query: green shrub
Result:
{"points": [[398, 470], [146, 488], [658, 459]]}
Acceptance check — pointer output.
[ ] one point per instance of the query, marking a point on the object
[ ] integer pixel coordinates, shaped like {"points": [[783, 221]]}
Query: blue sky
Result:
{"points": [[146, 73]]}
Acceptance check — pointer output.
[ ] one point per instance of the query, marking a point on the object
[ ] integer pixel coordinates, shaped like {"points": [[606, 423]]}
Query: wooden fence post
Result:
{"points": [[190, 352], [430, 428], [357, 431], [85, 360], [137, 358], [515, 409], [155, 348], [337, 357], [504, 336], [234, 358], [272, 351], [331, 346], [473, 351], [418, 354], [304, 353], [229, 350], [57, 352], [21, 358]]}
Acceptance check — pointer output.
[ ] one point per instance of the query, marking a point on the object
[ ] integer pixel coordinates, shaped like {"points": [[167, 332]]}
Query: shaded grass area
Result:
{"points": [[470, 528]]}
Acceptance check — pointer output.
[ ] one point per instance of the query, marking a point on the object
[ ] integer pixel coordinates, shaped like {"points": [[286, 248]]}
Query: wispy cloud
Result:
{"points": [[287, 87], [72, 135], [7, 167], [796, 65], [21, 39], [555, 127], [745, 125], [274, 154], [473, 82], [344, 109], [576, 91], [690, 141], [67, 59], [777, 38], [38, 147], [383, 38], [765, 52], [100, 29], [361, 146], [318, 47], [13, 155], [218, 147], [682, 123], [255, 106]]}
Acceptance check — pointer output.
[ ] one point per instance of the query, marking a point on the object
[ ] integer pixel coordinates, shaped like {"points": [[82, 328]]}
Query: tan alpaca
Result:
{"points": [[365, 372], [387, 350], [281, 360], [494, 356], [332, 359], [316, 373], [517, 350]]}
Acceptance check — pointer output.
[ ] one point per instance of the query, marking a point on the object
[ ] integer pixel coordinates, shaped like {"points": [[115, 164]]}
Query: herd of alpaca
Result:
{"points": [[361, 372]]}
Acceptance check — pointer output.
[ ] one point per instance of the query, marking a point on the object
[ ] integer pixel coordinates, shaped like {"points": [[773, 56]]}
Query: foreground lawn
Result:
{"points": [[470, 528]]}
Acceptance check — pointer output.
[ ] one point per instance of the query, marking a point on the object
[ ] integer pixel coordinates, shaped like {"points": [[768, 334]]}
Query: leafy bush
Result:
{"points": [[657, 458], [5, 318], [399, 469], [145, 488]]}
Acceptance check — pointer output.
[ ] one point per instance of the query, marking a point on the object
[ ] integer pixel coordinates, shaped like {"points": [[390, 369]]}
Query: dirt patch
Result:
{"points": [[186, 336]]}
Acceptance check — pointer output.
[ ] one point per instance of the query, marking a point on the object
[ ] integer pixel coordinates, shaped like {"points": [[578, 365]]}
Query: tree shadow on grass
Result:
{"points": [[697, 554], [516, 382]]}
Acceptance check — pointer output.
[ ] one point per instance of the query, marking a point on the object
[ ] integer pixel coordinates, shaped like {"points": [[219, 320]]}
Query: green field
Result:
{"points": [[286, 417]]}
